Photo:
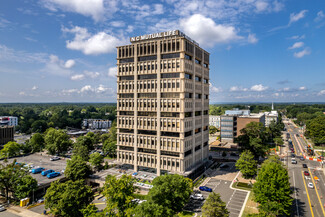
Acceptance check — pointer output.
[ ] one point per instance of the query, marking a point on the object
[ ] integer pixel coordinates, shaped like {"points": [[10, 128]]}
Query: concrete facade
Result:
{"points": [[96, 124], [214, 121], [6, 134], [162, 103]]}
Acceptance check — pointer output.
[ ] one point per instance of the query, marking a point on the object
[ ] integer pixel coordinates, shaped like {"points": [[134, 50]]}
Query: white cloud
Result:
{"points": [[130, 28], [321, 93], [86, 88], [69, 63], [117, 23], [77, 77], [90, 8], [302, 53], [99, 43], [302, 88], [297, 45], [158, 9], [237, 89], [214, 89], [295, 17], [34, 87], [112, 72], [91, 74], [297, 37], [11, 55], [258, 88], [320, 16], [22, 93], [205, 31], [56, 66], [261, 6], [252, 39], [4, 22]]}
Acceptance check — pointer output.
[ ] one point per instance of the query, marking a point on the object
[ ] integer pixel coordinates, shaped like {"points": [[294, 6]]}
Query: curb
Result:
{"points": [[246, 199]]}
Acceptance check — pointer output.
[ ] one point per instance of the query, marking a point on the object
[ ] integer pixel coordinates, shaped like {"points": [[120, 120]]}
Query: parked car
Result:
{"points": [[302, 158], [197, 197], [306, 173], [310, 185], [55, 158], [304, 166], [293, 155], [205, 188], [222, 166], [40, 200], [53, 175], [2, 208], [45, 172], [37, 170]]}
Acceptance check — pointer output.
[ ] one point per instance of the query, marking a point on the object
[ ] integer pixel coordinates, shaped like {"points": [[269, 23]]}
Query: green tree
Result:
{"points": [[39, 126], [278, 141], [272, 188], [171, 192], [77, 169], [68, 198], [119, 195], [214, 207], [81, 150], [91, 211], [254, 138], [25, 186], [10, 149], [37, 142], [86, 141], [109, 148], [57, 141], [96, 160], [247, 165], [212, 130], [151, 209], [12, 175], [315, 129]]}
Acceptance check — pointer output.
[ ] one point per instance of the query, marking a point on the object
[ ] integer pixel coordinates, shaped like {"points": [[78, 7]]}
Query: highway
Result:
{"points": [[307, 201]]}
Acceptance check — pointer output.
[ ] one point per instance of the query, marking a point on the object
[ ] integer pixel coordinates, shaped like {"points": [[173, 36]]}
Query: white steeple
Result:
{"points": [[272, 106]]}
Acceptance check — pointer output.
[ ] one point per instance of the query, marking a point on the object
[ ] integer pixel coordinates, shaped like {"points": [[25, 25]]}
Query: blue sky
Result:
{"points": [[260, 50]]}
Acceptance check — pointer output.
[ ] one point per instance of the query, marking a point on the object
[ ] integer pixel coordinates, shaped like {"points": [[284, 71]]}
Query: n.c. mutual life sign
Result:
{"points": [[154, 35]]}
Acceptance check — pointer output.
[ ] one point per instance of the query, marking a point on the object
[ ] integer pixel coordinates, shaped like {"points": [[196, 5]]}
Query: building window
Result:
{"points": [[188, 76], [197, 78], [169, 56], [170, 75], [188, 57]]}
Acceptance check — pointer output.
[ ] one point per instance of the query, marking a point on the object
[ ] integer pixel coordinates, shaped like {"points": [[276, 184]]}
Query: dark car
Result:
{"points": [[302, 158], [205, 188], [304, 165], [293, 155], [306, 173]]}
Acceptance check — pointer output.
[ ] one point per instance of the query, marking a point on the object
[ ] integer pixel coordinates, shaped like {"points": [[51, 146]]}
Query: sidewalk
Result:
{"points": [[23, 212]]}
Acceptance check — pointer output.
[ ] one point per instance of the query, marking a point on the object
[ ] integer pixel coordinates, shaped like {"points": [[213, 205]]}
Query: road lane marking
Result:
{"points": [[311, 209], [321, 205], [294, 185]]}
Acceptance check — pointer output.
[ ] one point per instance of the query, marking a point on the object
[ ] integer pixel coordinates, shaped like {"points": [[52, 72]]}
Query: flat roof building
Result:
{"points": [[6, 134], [214, 120], [8, 121], [163, 103], [243, 120]]}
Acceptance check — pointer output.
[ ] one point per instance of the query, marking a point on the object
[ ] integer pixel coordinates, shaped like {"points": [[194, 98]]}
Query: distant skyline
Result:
{"points": [[65, 51]]}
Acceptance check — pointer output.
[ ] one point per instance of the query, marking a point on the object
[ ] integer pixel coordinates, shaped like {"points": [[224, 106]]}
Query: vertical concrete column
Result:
{"points": [[193, 100], [202, 105], [158, 105], [135, 97]]}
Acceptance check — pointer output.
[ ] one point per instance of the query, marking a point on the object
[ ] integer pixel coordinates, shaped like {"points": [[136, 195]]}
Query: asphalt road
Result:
{"points": [[307, 201], [6, 213]]}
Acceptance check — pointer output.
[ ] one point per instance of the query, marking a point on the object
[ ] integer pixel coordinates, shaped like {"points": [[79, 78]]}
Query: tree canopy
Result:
{"points": [[272, 188], [57, 141], [68, 198], [77, 169], [316, 129], [247, 165], [214, 207], [119, 195], [10, 149], [96, 160]]}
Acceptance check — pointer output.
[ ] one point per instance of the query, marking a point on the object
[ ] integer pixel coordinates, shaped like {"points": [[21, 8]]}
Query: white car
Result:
{"points": [[307, 177], [197, 197], [2, 208], [310, 185], [55, 158]]}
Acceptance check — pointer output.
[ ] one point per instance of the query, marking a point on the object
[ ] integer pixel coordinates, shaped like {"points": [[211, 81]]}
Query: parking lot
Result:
{"points": [[220, 183], [37, 160]]}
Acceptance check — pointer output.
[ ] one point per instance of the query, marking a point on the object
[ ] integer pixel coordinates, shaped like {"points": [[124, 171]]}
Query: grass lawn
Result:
{"points": [[251, 206], [185, 214], [140, 196], [242, 185]]}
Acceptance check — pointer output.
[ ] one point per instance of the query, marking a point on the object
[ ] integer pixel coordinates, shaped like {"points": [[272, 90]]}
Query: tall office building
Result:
{"points": [[163, 103]]}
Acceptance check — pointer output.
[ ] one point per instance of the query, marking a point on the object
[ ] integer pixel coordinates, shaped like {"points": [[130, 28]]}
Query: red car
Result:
{"points": [[306, 173]]}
